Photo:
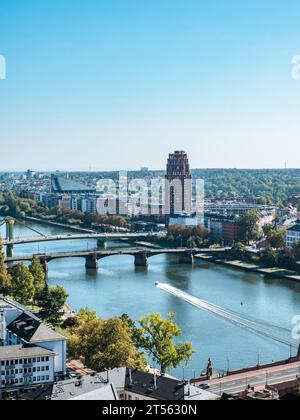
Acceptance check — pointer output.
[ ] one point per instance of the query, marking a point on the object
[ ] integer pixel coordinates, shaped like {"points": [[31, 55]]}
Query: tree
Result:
{"points": [[157, 338], [296, 251], [36, 269], [268, 229], [103, 344], [5, 278], [116, 348], [22, 288], [269, 257], [51, 301], [276, 238], [249, 226], [238, 251]]}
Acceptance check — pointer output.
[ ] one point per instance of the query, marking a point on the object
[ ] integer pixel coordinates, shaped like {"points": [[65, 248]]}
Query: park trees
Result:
{"points": [[103, 344]]}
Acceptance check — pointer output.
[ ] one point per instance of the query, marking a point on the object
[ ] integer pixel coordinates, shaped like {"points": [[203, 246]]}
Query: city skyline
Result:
{"points": [[120, 85]]}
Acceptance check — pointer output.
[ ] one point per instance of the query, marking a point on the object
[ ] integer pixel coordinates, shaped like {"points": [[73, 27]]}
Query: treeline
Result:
{"points": [[120, 341], [28, 286], [182, 236], [90, 220], [269, 256], [270, 186], [14, 205]]}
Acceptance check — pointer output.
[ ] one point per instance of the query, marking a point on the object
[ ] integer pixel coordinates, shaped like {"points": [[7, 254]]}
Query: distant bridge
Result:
{"points": [[186, 256], [10, 241], [102, 237]]}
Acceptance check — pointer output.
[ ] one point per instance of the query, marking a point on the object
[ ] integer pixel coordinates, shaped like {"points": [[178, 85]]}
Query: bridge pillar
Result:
{"points": [[101, 243], [9, 236], [141, 260], [91, 263], [186, 258]]}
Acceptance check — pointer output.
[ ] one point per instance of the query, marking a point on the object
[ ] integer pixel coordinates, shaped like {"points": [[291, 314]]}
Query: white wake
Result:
{"points": [[268, 330]]}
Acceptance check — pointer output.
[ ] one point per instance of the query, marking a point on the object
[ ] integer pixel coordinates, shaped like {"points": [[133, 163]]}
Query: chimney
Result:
{"points": [[130, 377]]}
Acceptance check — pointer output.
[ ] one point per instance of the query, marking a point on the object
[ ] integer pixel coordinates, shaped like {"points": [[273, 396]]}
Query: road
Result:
{"points": [[258, 379]]}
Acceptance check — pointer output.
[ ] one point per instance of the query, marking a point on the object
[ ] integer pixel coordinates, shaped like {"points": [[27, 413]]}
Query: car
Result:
{"points": [[204, 386]]}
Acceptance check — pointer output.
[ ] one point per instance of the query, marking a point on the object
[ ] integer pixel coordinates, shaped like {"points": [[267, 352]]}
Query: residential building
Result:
{"points": [[26, 365], [293, 235], [31, 353]]}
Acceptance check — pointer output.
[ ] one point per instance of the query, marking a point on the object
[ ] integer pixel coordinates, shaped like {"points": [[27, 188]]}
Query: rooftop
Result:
{"points": [[166, 389], [87, 388], [66, 185], [295, 228], [32, 330], [23, 351]]}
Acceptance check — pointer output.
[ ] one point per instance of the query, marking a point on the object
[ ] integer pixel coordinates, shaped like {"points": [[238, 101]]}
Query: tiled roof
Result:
{"points": [[32, 330]]}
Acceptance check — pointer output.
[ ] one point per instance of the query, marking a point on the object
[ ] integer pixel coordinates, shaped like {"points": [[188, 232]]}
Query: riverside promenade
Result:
{"points": [[273, 272]]}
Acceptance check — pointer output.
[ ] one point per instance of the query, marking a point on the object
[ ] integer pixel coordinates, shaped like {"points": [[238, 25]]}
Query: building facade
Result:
{"points": [[293, 235], [31, 353], [178, 180]]}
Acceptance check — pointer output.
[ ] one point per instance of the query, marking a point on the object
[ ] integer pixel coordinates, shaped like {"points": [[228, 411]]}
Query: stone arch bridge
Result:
{"points": [[141, 256]]}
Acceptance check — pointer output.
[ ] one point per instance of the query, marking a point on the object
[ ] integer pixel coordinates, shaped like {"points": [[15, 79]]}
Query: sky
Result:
{"points": [[120, 84]]}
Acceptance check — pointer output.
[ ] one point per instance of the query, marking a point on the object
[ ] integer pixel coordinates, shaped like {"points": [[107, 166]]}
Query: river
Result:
{"points": [[118, 287]]}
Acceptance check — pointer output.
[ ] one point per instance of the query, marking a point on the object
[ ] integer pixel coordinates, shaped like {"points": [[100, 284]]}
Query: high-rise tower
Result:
{"points": [[178, 184]]}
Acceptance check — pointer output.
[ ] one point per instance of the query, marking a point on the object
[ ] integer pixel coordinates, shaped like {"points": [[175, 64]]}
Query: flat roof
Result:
{"points": [[23, 351]]}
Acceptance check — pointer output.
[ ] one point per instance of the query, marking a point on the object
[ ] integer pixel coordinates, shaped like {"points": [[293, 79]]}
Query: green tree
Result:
{"points": [[22, 288], [103, 344], [5, 278], [238, 251], [268, 257], [36, 269], [296, 251], [276, 239], [116, 348], [157, 339], [249, 226], [51, 301]]}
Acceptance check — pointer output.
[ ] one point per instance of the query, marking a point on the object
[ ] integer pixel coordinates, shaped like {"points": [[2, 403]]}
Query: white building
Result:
{"points": [[293, 235], [33, 352], [24, 365], [191, 220]]}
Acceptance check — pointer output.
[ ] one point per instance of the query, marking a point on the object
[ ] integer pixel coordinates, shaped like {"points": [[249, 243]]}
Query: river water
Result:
{"points": [[118, 287]]}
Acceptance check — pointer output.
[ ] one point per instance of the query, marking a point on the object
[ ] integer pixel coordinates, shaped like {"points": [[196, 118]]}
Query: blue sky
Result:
{"points": [[118, 84]]}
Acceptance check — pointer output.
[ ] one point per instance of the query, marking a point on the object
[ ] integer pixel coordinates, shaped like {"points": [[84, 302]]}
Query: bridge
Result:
{"points": [[141, 256], [10, 241], [101, 237]]}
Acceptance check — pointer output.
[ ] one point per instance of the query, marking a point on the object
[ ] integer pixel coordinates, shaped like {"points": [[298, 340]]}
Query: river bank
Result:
{"points": [[274, 272]]}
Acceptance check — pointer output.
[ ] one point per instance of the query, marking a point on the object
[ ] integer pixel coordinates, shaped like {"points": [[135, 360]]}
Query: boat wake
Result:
{"points": [[268, 330]]}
